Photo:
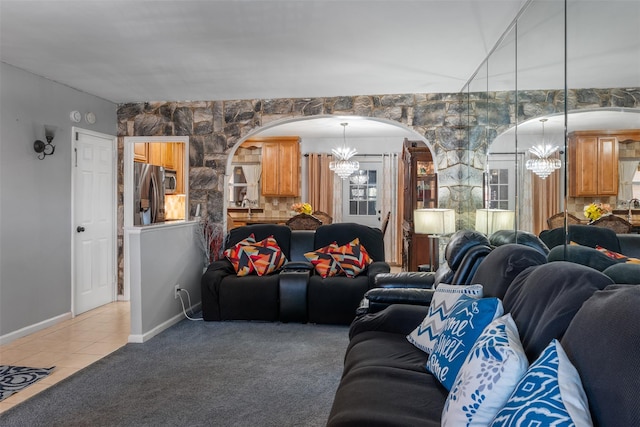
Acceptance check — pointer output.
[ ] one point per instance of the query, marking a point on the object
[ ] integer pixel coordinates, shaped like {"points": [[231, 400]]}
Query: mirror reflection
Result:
{"points": [[526, 88]]}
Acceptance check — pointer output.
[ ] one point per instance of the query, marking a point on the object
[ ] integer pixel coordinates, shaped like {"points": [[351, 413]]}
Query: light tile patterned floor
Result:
{"points": [[69, 346]]}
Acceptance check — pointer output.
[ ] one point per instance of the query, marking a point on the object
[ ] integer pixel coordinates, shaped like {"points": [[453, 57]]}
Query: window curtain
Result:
{"points": [[627, 170], [389, 203], [545, 199], [320, 184], [252, 175]]}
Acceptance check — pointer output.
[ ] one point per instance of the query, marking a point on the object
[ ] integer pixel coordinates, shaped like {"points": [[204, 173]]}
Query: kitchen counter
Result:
{"points": [[258, 219]]}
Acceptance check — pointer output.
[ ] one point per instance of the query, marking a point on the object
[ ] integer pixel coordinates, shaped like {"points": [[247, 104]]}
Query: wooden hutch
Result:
{"points": [[419, 190]]}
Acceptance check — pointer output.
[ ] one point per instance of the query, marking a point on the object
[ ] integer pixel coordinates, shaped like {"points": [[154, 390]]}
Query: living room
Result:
{"points": [[36, 195]]}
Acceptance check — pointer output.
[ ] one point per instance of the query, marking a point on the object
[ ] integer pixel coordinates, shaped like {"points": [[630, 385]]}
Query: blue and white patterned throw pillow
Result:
{"points": [[444, 298], [550, 393], [488, 376], [462, 328]]}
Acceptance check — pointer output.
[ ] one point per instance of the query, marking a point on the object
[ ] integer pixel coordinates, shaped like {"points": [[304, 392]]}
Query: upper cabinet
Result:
{"points": [[280, 166], [140, 152], [593, 163]]}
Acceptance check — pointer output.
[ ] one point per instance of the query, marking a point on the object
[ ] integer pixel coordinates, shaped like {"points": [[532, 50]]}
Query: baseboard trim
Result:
{"points": [[27, 330], [141, 338]]}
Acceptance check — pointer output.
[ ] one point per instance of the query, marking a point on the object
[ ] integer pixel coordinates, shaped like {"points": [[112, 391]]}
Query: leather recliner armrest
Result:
{"points": [[298, 265], [414, 296], [405, 279], [380, 298]]}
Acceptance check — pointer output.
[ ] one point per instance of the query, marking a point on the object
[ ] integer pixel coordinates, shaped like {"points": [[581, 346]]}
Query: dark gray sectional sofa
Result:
{"points": [[385, 383]]}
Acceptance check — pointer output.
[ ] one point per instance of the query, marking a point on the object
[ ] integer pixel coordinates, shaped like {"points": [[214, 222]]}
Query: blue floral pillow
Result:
{"points": [[462, 328], [488, 376], [550, 393]]}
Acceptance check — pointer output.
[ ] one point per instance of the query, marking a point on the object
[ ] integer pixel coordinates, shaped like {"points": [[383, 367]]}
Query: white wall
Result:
{"points": [[35, 196], [159, 258]]}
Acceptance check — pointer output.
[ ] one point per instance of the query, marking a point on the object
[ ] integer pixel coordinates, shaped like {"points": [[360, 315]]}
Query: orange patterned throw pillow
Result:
{"points": [[238, 258], [267, 257], [352, 257], [249, 256], [618, 256], [323, 262]]}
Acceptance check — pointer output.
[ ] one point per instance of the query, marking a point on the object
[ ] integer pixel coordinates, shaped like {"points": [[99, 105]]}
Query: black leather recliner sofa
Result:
{"points": [[296, 292]]}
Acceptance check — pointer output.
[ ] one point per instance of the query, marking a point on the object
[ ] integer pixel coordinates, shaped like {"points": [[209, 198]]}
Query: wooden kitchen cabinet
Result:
{"points": [[281, 166], [593, 164], [140, 152], [162, 154], [420, 190]]}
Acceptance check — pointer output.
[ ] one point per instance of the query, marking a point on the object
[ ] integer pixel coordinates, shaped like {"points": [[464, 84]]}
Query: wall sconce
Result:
{"points": [[45, 149]]}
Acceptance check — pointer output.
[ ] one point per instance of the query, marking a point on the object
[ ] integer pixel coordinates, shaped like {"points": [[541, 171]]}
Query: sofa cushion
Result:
{"points": [[281, 233], [586, 235], [324, 264], [544, 299], [550, 393], [387, 396], [460, 243], [610, 373], [493, 368], [503, 237], [503, 264], [584, 255], [445, 297], [461, 330], [624, 273], [352, 257]]}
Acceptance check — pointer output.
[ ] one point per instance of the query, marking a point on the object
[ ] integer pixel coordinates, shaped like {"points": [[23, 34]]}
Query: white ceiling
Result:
{"points": [[131, 51], [181, 50]]}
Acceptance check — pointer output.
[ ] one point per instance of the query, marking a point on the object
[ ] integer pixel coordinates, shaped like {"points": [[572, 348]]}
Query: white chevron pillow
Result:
{"points": [[444, 299]]}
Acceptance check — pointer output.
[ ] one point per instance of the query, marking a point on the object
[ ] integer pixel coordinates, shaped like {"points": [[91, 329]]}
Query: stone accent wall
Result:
{"points": [[457, 126]]}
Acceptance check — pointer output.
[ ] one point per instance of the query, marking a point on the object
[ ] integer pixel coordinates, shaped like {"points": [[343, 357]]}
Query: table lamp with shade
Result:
{"points": [[490, 220], [435, 223]]}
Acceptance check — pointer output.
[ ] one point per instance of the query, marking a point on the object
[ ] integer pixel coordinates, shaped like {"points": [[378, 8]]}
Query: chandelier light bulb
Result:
{"points": [[343, 166], [543, 165]]}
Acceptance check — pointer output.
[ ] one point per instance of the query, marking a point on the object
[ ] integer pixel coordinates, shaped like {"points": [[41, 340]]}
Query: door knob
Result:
{"points": [[80, 229]]}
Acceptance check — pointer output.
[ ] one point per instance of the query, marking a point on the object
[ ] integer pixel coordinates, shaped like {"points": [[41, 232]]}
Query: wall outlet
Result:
{"points": [[176, 291]]}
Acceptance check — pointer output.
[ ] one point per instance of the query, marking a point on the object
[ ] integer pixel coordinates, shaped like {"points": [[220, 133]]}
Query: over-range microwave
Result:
{"points": [[170, 181]]}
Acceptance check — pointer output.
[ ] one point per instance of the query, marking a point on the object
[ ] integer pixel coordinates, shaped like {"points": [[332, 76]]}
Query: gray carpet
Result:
{"points": [[201, 374]]}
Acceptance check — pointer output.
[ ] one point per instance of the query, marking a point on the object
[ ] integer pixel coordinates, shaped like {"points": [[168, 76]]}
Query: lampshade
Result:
{"points": [[434, 221], [490, 220]]}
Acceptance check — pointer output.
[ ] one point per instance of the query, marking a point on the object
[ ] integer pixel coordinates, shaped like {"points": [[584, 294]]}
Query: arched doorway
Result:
{"points": [[379, 145]]}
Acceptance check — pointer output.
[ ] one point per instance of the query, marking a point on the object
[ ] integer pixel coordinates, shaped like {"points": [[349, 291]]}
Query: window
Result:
{"points": [[363, 192], [237, 187], [498, 197]]}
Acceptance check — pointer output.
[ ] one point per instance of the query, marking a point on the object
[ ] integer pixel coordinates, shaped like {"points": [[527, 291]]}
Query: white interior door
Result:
{"points": [[361, 195], [94, 279]]}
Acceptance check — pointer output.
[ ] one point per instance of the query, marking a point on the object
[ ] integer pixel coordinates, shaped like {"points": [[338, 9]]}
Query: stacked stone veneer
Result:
{"points": [[458, 128]]}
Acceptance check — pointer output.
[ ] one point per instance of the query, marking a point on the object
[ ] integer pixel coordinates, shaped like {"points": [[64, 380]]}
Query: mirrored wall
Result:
{"points": [[562, 68]]}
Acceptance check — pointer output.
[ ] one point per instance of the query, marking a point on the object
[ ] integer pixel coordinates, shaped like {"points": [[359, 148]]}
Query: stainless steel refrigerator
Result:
{"points": [[148, 196]]}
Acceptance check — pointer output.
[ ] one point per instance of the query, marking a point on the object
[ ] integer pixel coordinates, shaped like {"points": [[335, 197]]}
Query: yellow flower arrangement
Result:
{"points": [[302, 208], [594, 211]]}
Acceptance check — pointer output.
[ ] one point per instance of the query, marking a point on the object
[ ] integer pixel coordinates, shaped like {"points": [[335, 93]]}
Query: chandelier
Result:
{"points": [[360, 178], [542, 165], [343, 166]]}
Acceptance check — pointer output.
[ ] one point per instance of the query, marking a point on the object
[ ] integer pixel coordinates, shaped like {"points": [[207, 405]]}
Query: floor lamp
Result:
{"points": [[435, 223], [490, 220]]}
